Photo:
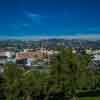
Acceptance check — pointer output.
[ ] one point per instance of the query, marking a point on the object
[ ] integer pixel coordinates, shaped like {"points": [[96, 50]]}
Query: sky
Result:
{"points": [[49, 17]]}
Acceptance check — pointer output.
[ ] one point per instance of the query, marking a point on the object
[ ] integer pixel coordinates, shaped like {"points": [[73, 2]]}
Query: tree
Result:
{"points": [[34, 84], [20, 84], [67, 73], [12, 81]]}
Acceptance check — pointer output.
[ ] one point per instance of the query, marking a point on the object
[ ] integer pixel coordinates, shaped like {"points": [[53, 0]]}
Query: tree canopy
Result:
{"points": [[67, 75]]}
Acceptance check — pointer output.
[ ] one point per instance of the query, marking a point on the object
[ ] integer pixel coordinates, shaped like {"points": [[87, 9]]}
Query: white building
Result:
{"points": [[6, 56], [96, 57]]}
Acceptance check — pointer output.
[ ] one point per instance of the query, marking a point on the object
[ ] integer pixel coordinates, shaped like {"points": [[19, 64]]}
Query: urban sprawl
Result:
{"points": [[31, 54]]}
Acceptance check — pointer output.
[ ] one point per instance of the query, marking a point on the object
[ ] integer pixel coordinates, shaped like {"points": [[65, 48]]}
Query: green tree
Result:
{"points": [[33, 84], [67, 74], [12, 81]]}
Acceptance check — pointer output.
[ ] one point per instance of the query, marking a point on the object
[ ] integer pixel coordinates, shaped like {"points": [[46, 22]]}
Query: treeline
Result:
{"points": [[68, 74]]}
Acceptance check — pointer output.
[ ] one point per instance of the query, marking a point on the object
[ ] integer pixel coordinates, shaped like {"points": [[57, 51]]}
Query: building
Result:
{"points": [[26, 58], [29, 56], [96, 57], [6, 57]]}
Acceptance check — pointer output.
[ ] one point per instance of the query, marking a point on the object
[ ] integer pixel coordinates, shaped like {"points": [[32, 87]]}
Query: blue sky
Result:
{"points": [[49, 17]]}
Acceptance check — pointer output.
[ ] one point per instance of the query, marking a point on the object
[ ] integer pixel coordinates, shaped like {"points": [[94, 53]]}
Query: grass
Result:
{"points": [[90, 98]]}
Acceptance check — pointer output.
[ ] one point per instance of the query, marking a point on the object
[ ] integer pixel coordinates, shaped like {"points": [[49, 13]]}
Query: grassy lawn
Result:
{"points": [[90, 98]]}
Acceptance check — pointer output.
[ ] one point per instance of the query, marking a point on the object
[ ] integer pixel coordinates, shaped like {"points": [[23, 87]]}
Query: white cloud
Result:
{"points": [[35, 18], [33, 15]]}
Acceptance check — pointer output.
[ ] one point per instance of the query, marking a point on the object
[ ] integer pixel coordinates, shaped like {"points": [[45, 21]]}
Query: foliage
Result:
{"points": [[90, 98], [67, 75]]}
